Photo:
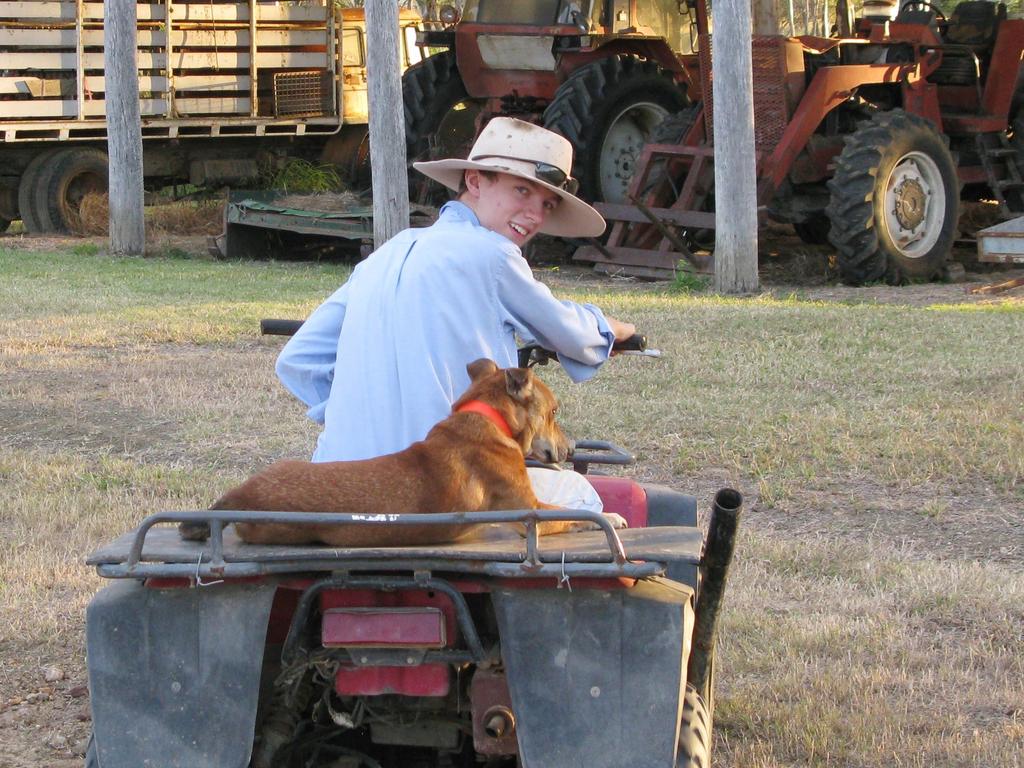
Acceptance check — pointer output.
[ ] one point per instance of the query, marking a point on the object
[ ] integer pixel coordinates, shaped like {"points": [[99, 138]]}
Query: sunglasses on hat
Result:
{"points": [[547, 172]]}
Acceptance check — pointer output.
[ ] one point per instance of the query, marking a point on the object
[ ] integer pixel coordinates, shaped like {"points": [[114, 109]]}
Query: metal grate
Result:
{"points": [[775, 62], [302, 94]]}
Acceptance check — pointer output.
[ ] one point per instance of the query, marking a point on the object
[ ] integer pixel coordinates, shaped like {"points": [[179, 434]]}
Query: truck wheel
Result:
{"points": [[27, 191], [694, 732], [64, 180], [894, 201], [440, 120], [607, 109]]}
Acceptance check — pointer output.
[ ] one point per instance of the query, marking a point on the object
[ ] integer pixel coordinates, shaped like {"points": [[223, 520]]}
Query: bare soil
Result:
{"points": [[44, 707]]}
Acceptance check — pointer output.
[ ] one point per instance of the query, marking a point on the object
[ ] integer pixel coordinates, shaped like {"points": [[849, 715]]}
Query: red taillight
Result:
{"points": [[383, 628]]}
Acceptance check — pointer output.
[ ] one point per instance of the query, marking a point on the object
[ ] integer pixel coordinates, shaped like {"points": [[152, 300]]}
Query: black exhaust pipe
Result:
{"points": [[718, 549]]}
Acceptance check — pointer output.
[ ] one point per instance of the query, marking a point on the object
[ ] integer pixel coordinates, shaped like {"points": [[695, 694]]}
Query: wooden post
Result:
{"points": [[387, 121], [766, 18], [735, 162], [124, 128]]}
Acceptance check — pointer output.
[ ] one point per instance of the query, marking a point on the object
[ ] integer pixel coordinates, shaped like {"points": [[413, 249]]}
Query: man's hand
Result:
{"points": [[621, 330]]}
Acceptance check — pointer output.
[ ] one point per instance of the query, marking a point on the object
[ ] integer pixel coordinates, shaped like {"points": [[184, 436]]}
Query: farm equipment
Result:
{"points": [[227, 90], [867, 142], [590, 649], [601, 73]]}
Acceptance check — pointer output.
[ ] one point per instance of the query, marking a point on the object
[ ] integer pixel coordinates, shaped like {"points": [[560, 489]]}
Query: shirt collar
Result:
{"points": [[453, 210]]}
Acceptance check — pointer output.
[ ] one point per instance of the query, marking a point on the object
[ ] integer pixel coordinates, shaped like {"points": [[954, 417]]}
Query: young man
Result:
{"points": [[383, 359]]}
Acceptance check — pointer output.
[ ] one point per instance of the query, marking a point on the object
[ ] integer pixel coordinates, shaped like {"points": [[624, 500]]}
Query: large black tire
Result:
{"points": [[4, 224], [63, 181], [27, 191], [814, 230], [694, 732], [894, 201], [607, 109], [440, 120]]}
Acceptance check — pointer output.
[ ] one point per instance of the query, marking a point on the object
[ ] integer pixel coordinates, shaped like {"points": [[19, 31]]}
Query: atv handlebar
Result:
{"points": [[529, 355]]}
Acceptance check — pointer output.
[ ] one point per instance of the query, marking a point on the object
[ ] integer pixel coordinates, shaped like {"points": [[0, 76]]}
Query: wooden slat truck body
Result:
{"points": [[225, 89]]}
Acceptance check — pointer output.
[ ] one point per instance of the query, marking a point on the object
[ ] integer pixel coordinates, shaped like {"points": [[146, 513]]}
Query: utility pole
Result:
{"points": [[735, 162], [124, 128], [387, 121]]}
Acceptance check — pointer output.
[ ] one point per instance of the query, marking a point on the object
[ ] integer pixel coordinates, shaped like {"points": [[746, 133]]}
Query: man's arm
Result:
{"points": [[306, 364], [580, 333]]}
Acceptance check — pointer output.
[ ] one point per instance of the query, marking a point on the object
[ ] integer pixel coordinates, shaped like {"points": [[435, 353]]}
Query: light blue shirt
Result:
{"points": [[383, 359]]}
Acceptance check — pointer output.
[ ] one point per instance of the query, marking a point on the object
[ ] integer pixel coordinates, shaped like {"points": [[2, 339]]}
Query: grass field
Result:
{"points": [[875, 615]]}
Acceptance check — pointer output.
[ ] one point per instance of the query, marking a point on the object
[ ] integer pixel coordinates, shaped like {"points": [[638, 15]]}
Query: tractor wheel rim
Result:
{"points": [[915, 204], [620, 151]]}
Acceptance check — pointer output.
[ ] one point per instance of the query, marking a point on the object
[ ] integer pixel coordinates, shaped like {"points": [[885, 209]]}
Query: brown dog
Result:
{"points": [[471, 461]]}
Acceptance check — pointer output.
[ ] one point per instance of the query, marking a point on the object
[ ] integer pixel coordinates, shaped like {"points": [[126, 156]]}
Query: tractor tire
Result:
{"points": [[64, 181], [894, 201], [440, 120], [813, 231], [4, 224], [694, 732], [608, 109], [27, 191]]}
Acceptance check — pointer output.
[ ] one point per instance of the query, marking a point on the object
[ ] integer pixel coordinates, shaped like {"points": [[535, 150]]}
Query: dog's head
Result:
{"points": [[526, 404]]}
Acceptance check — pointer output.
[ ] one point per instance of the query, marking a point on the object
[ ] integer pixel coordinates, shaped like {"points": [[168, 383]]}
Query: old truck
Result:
{"points": [[226, 90]]}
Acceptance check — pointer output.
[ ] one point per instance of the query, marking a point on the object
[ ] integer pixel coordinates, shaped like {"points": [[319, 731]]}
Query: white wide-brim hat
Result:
{"points": [[518, 148]]}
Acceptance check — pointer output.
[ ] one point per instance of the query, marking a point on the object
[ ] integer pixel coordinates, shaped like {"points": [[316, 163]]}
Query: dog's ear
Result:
{"points": [[480, 368], [519, 383]]}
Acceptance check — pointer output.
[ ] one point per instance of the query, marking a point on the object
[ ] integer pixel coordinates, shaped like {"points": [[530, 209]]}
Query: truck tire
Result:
{"points": [[27, 191], [607, 109], [63, 181], [894, 201], [694, 732], [440, 120]]}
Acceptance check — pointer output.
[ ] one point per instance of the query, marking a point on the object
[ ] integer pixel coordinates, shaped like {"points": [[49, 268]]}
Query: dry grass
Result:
{"points": [[186, 217], [874, 616]]}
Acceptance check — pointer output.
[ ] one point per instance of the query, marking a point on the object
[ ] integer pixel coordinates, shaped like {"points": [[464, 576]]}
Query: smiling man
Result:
{"points": [[383, 359]]}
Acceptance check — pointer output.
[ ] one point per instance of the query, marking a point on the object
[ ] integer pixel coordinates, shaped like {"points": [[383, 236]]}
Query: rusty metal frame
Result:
{"points": [[212, 564]]}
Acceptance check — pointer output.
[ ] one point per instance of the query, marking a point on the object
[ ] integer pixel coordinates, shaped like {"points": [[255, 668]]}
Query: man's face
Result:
{"points": [[509, 205]]}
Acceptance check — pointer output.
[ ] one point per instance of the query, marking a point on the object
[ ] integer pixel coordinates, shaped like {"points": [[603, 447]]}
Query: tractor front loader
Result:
{"points": [[867, 142]]}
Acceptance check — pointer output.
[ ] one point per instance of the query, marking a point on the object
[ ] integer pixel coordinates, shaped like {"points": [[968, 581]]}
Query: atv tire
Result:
{"points": [[894, 201], [607, 109], [694, 732], [440, 120]]}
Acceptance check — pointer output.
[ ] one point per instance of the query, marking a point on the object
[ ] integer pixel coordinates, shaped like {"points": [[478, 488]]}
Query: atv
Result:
{"points": [[592, 648]]}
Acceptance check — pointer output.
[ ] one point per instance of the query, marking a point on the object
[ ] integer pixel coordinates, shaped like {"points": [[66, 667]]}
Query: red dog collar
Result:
{"points": [[489, 412]]}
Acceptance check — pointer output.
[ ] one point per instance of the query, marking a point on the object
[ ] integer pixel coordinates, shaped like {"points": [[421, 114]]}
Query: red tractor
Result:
{"points": [[868, 141], [600, 72]]}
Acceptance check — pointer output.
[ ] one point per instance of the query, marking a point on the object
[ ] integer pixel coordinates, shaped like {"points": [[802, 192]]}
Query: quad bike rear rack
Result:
{"points": [[157, 551]]}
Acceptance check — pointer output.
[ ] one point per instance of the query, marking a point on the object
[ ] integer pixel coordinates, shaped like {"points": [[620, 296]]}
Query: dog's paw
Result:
{"points": [[194, 531], [618, 521]]}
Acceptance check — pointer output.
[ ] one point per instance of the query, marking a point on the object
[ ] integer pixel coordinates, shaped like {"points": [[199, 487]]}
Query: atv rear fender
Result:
{"points": [[174, 674]]}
